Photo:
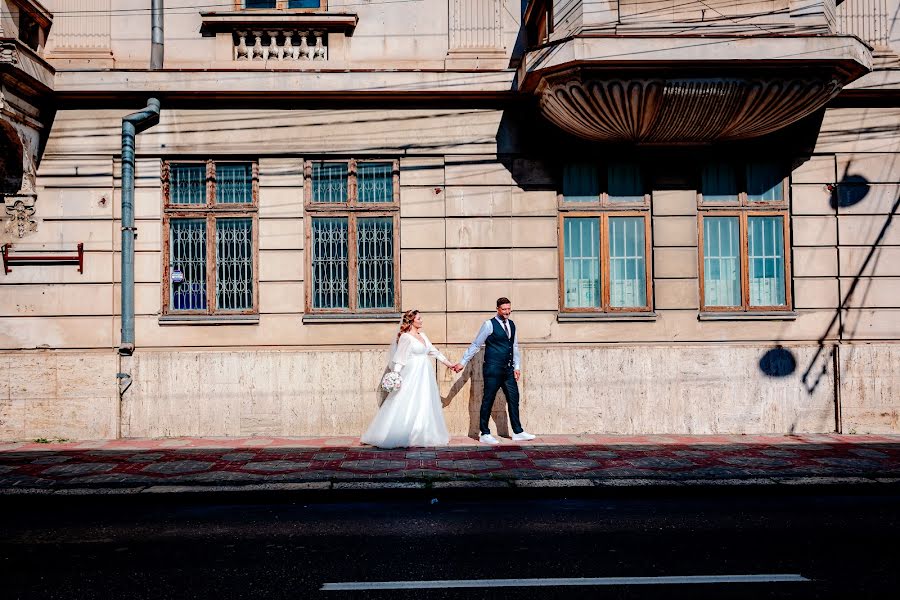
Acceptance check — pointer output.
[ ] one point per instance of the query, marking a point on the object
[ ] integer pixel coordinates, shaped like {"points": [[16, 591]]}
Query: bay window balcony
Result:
{"points": [[664, 76]]}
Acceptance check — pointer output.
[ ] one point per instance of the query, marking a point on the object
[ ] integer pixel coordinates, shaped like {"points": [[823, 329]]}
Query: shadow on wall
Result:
{"points": [[781, 362], [472, 374]]}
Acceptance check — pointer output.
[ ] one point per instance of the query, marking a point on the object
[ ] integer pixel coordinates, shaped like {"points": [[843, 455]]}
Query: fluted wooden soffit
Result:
{"points": [[681, 102]]}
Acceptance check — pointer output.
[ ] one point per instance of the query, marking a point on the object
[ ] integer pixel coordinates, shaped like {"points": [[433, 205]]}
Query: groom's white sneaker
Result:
{"points": [[486, 438], [522, 436]]}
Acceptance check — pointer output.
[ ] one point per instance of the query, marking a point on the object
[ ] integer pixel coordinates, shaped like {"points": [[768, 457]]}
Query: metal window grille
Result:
{"points": [[375, 262], [627, 262], [329, 182], [187, 183], [375, 182], [187, 254], [234, 264], [721, 261], [330, 263], [234, 183], [581, 262], [765, 241]]}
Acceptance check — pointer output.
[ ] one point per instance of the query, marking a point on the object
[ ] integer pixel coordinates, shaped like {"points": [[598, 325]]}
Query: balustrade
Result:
{"points": [[280, 45], [866, 19]]}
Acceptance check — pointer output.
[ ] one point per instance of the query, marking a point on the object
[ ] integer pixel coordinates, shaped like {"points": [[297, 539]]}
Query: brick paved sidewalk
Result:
{"points": [[219, 464]]}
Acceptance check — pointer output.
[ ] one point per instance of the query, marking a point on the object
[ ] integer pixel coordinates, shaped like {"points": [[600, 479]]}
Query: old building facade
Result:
{"points": [[690, 204]]}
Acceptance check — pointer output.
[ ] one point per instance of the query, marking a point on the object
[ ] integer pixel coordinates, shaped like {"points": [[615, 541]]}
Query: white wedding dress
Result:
{"points": [[412, 415]]}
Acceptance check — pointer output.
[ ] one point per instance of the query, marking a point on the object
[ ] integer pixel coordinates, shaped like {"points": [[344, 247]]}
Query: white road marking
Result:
{"points": [[484, 583]]}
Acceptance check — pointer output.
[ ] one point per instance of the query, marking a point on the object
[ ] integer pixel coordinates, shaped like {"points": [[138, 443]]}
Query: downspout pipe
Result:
{"points": [[132, 125], [156, 35]]}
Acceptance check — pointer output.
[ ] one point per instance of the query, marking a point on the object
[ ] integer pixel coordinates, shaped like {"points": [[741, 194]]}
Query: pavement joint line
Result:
{"points": [[564, 581]]}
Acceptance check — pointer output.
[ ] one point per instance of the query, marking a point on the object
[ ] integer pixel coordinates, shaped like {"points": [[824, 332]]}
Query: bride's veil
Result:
{"points": [[392, 350]]}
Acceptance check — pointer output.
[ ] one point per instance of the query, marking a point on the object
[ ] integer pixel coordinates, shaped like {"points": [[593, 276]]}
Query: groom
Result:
{"points": [[501, 370]]}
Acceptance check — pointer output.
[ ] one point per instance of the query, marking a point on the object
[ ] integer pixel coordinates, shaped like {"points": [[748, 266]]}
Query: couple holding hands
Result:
{"points": [[412, 415]]}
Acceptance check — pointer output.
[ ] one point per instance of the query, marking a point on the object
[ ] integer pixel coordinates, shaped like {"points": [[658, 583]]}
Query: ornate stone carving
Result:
{"points": [[9, 54], [19, 210], [679, 110]]}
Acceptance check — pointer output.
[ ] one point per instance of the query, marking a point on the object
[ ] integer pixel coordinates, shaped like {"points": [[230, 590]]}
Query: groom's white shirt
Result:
{"points": [[487, 328]]}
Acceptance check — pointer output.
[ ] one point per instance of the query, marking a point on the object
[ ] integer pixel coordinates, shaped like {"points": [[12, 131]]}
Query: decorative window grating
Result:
{"points": [[209, 219], [352, 223]]}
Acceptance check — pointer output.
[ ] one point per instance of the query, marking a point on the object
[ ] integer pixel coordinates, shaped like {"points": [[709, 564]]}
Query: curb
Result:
{"points": [[515, 487]]}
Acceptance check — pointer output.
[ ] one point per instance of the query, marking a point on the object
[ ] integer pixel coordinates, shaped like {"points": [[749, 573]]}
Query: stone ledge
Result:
{"points": [[209, 320], [748, 316], [574, 317]]}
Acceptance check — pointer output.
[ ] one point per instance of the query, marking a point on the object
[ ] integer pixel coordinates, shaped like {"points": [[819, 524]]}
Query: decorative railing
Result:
{"points": [[280, 45], [866, 19]]}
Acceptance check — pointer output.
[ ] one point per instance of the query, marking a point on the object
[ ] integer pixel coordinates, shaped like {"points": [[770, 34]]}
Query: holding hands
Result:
{"points": [[456, 368]]}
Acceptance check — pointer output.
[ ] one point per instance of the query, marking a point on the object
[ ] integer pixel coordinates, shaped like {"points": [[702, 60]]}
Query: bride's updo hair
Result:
{"points": [[406, 324]]}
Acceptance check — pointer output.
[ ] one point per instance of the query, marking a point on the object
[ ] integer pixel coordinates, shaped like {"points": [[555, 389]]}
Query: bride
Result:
{"points": [[412, 415]]}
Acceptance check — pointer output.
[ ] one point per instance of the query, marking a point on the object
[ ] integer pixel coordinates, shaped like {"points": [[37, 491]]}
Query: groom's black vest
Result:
{"points": [[498, 349]]}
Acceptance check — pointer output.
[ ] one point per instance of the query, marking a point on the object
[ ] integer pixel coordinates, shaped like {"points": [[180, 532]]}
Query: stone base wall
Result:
{"points": [[58, 395], [628, 390], [870, 388], [573, 389]]}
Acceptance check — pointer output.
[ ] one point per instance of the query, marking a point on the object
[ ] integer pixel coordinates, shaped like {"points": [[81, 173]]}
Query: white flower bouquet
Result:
{"points": [[391, 381]]}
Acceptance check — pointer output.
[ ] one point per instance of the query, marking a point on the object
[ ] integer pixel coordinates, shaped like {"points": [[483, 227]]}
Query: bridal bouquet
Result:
{"points": [[391, 381]]}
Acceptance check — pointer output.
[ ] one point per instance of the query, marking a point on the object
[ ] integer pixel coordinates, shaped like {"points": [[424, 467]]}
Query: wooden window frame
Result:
{"points": [[352, 210], [210, 211], [603, 199], [604, 258], [743, 216], [281, 5]]}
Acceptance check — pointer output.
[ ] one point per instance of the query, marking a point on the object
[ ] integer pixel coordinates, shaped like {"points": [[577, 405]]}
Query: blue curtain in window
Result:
{"points": [[581, 183], [718, 183], [624, 183], [764, 183], [234, 264], [187, 254], [330, 270]]}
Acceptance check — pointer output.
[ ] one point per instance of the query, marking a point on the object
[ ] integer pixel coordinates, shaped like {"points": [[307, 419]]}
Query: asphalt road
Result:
{"points": [[828, 545]]}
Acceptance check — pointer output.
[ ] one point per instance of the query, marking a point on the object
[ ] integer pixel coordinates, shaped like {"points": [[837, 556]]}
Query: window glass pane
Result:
{"points": [[375, 182], [259, 3], [719, 183], [627, 262], [330, 274], [234, 264], [187, 254], [234, 183], [329, 181], [375, 262], [765, 238], [581, 262], [764, 183], [187, 183], [721, 261], [581, 183], [624, 183], [303, 3]]}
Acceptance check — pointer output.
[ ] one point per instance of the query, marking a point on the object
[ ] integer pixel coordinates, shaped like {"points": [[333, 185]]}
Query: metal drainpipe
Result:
{"points": [[132, 125]]}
